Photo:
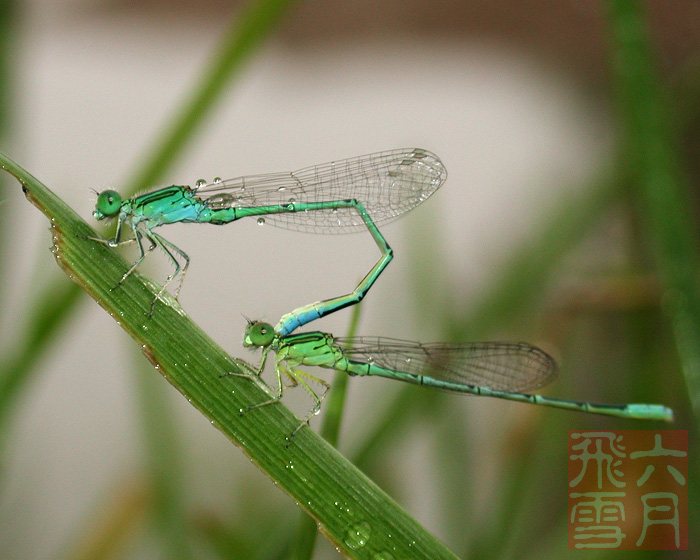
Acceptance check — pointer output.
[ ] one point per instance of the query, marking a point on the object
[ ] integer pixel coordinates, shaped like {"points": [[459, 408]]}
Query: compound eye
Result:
{"points": [[260, 334], [108, 204]]}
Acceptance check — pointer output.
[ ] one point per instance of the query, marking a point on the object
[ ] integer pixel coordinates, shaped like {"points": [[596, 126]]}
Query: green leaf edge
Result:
{"points": [[322, 482]]}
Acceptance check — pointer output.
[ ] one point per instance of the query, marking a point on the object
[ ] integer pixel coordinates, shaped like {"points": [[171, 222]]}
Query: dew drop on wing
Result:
{"points": [[200, 183], [261, 221]]}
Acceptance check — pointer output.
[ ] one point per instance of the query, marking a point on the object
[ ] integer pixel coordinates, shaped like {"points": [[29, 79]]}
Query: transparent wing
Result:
{"points": [[503, 366], [387, 183]]}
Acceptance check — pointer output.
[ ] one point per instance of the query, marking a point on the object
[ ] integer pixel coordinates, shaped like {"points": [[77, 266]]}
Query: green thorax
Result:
{"points": [[311, 349]]}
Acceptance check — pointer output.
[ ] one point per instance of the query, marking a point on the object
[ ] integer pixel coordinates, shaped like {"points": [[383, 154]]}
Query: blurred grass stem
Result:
{"points": [[659, 182]]}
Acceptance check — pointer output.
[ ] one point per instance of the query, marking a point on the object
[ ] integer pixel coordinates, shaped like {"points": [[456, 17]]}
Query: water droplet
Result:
{"points": [[200, 183], [357, 535], [261, 221], [383, 555], [217, 180], [281, 189], [292, 200], [344, 508]]}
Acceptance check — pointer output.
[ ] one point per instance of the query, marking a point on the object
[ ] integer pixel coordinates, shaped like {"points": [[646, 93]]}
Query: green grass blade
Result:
{"points": [[665, 203], [357, 516], [8, 20]]}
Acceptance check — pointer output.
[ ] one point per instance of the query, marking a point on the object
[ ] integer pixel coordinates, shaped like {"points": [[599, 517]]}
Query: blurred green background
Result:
{"points": [[568, 220]]}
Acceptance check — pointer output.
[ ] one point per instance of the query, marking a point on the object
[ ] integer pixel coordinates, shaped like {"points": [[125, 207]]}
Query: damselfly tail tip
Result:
{"points": [[651, 412]]}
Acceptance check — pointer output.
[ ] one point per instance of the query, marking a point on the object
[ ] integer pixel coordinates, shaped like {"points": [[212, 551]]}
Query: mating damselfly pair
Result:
{"points": [[343, 196]]}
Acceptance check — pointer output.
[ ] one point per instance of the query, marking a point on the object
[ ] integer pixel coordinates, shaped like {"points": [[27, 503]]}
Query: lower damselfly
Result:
{"points": [[503, 370]]}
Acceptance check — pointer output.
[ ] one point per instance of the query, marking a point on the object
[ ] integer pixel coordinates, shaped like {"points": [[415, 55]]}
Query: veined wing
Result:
{"points": [[387, 183], [502, 366]]}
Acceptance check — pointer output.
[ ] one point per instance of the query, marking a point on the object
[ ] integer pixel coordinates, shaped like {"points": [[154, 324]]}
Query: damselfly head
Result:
{"points": [[258, 334], [108, 204]]}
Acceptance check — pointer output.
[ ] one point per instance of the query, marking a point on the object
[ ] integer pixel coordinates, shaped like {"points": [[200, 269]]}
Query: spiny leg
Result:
{"points": [[254, 374], [298, 377], [166, 246], [117, 240], [113, 243], [307, 313], [181, 270], [110, 242], [246, 367], [280, 386], [142, 254]]}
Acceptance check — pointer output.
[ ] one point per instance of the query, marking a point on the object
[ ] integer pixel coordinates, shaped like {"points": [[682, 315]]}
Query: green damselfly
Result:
{"points": [[337, 197], [502, 370]]}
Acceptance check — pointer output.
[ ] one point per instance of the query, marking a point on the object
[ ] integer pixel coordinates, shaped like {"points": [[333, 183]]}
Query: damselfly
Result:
{"points": [[491, 369], [337, 197]]}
